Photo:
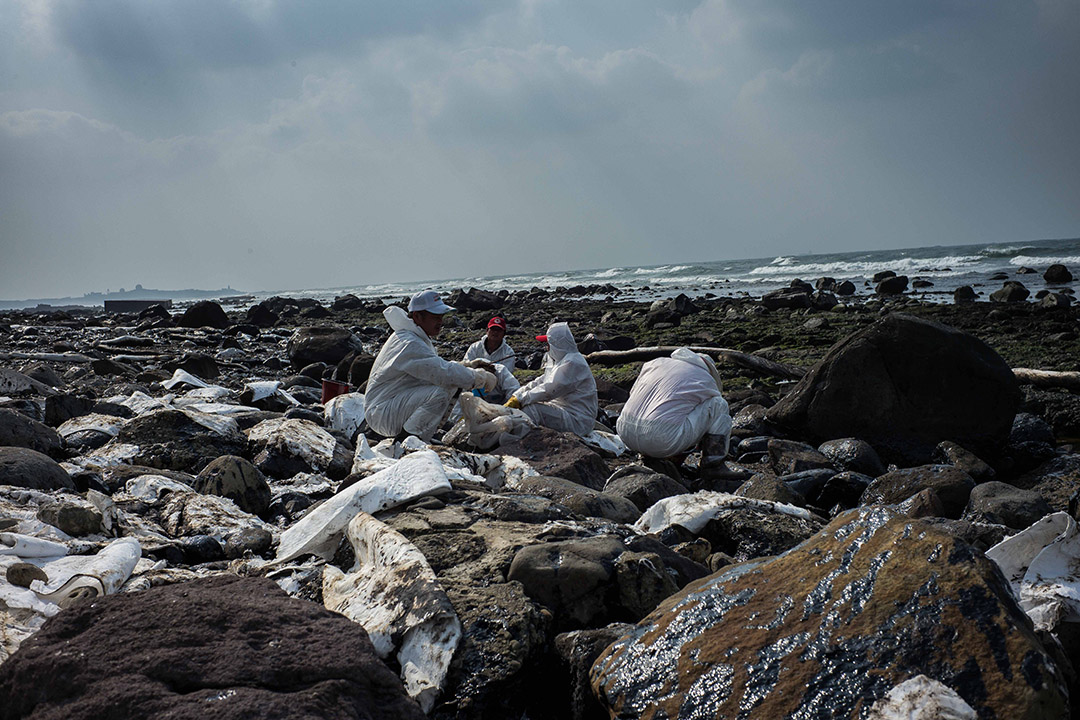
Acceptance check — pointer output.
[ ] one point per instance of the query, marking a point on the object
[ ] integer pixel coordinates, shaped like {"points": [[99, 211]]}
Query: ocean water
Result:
{"points": [[947, 267]]}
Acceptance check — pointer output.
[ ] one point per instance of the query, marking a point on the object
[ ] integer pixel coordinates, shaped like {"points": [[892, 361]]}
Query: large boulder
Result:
{"points": [[793, 297], [1003, 504], [642, 486], [1011, 291], [26, 468], [222, 647], [17, 430], [582, 500], [952, 485], [559, 454], [1057, 273], [904, 384], [205, 313], [474, 299], [829, 627], [321, 344], [171, 440], [237, 479]]}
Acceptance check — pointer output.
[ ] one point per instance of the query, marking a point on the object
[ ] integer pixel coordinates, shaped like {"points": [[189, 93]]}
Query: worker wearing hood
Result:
{"points": [[411, 388], [564, 397], [675, 403]]}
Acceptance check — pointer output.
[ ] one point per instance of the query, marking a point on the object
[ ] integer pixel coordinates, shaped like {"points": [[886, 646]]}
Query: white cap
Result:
{"points": [[428, 300]]}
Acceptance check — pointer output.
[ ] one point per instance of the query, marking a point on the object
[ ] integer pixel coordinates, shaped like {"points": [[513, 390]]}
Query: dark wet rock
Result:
{"points": [[115, 409], [198, 364], [1011, 291], [1031, 428], [237, 479], [306, 395], [253, 540], [904, 384], [504, 637], [1024, 270], [116, 477], [823, 301], [641, 486], [892, 286], [921, 284], [43, 374], [61, 408], [17, 430], [224, 647], [882, 275], [155, 312], [583, 582], [922, 504], [107, 367], [1057, 481], [25, 468], [316, 371], [580, 499], [355, 368], [303, 413], [320, 344], [288, 505], [963, 294], [788, 456], [769, 487], [301, 380], [751, 532], [25, 406], [854, 455], [951, 484], [347, 302], [198, 549], [205, 313], [1003, 504], [76, 518], [843, 490], [15, 383], [981, 536], [762, 639], [751, 420], [787, 298], [661, 315], [562, 455], [261, 315], [170, 440], [1057, 273], [607, 392], [577, 651], [22, 574], [1055, 300], [808, 483], [315, 312], [1060, 409], [950, 453], [474, 299]]}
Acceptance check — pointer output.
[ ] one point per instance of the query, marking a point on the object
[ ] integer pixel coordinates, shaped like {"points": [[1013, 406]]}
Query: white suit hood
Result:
{"points": [[567, 382], [561, 341]]}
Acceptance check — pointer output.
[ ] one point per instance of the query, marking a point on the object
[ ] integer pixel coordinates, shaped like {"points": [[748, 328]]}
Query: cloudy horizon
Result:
{"points": [[268, 144]]}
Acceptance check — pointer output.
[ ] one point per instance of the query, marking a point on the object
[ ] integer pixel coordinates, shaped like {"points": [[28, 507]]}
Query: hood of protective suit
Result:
{"points": [[703, 361], [398, 320], [561, 341]]}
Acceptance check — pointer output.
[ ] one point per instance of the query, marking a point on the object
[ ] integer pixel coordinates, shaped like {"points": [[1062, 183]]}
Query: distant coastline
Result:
{"points": [[97, 299]]}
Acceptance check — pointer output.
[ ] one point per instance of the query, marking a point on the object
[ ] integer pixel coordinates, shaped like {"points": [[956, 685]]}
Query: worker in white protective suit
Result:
{"points": [[564, 397], [411, 388], [676, 403], [493, 352]]}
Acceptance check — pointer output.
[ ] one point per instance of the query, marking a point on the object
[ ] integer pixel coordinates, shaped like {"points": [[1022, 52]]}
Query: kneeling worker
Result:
{"points": [[411, 388], [493, 350], [676, 403], [564, 397]]}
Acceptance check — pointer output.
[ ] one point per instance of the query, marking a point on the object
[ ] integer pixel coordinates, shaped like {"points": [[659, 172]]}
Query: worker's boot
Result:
{"points": [[713, 469]]}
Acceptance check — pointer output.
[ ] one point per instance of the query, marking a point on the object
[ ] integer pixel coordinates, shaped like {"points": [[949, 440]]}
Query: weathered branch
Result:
{"points": [[724, 355], [1067, 380]]}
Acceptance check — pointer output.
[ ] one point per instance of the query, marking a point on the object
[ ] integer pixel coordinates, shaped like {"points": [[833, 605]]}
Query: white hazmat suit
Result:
{"points": [[411, 387], [504, 360], [564, 397], [674, 402]]}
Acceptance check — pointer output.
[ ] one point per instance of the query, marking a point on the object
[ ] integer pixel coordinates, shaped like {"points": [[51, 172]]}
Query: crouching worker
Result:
{"points": [[411, 388], [491, 351], [564, 397], [675, 404]]}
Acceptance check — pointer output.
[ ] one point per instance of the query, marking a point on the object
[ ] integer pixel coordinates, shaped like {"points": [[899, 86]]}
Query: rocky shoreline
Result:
{"points": [[549, 577]]}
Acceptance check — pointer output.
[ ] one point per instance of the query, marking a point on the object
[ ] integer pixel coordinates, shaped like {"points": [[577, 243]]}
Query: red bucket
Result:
{"points": [[332, 388]]}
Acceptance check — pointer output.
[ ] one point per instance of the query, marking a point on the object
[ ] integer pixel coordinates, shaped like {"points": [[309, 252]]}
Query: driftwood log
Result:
{"points": [[1066, 380], [723, 355]]}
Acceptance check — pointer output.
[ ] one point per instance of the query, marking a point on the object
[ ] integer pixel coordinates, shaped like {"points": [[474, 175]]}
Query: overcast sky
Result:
{"points": [[281, 145]]}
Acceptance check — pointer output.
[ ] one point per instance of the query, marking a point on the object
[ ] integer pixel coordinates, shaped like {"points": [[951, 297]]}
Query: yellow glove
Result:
{"points": [[513, 403]]}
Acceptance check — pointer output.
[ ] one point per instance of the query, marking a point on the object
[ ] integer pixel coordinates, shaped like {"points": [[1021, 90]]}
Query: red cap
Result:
{"points": [[497, 322], [542, 338]]}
